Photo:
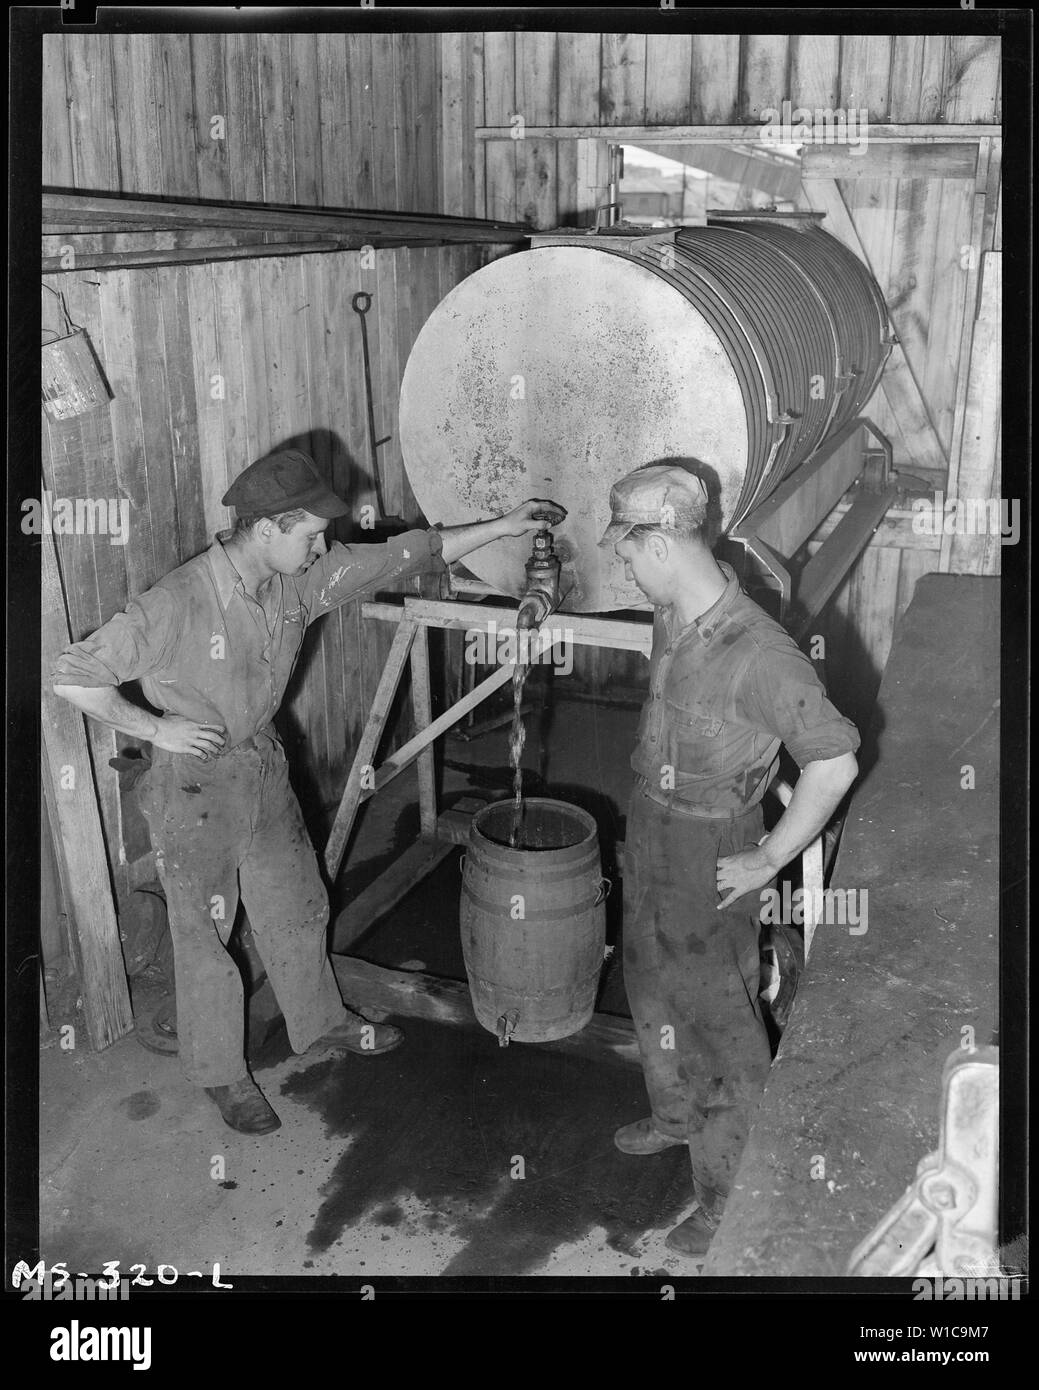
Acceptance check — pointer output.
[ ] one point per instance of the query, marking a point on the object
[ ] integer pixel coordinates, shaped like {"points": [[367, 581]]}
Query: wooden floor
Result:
{"points": [[856, 1084]]}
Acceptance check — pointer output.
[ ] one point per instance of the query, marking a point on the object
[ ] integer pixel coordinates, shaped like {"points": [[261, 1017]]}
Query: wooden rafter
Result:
{"points": [[879, 133], [232, 230]]}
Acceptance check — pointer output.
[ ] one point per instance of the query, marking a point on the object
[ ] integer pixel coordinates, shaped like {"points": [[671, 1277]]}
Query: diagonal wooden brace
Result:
{"points": [[367, 748]]}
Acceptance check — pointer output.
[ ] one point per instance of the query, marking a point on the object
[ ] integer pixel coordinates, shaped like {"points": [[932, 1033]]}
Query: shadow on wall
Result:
{"points": [[852, 680], [352, 480]]}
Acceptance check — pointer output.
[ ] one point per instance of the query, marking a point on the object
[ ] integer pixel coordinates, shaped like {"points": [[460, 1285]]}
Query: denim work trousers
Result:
{"points": [[692, 975], [228, 824]]}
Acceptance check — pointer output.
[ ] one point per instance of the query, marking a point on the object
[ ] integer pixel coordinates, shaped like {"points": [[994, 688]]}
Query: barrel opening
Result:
{"points": [[545, 825]]}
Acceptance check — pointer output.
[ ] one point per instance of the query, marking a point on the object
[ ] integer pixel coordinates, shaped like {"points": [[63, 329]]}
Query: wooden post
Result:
{"points": [[422, 704], [68, 785], [974, 477], [593, 177]]}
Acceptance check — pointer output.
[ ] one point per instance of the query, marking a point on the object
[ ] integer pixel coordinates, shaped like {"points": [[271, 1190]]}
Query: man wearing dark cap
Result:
{"points": [[214, 644], [727, 687]]}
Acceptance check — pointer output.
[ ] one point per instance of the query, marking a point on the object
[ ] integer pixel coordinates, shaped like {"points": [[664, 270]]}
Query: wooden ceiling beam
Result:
{"points": [[63, 209], [189, 255]]}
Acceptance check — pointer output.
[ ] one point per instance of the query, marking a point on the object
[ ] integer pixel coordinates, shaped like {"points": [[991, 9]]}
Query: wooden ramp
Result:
{"points": [[852, 1103]]}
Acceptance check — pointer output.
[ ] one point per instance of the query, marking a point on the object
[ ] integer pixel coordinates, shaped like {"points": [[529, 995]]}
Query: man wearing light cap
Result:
{"points": [[214, 644], [727, 687]]}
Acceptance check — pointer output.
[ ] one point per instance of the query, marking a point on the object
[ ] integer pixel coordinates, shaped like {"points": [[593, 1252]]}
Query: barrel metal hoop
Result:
{"points": [[550, 914], [542, 873], [529, 995]]}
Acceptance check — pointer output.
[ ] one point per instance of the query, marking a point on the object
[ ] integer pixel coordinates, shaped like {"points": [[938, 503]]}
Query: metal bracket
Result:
{"points": [[507, 1026], [952, 1203]]}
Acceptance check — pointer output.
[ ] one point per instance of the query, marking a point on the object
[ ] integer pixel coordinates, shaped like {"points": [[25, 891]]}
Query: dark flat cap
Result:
{"points": [[281, 482]]}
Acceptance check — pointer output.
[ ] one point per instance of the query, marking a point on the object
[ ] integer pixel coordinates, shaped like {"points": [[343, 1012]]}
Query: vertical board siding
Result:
{"points": [[56, 152], [407, 129], [866, 74], [343, 150], [971, 84], [385, 120], [211, 366], [715, 79], [622, 83], [815, 70], [242, 78], [92, 128], [301, 58], [361, 120], [917, 77], [579, 59], [274, 149], [456, 128], [764, 74], [358, 112], [209, 100], [668, 74], [136, 112], [176, 112]]}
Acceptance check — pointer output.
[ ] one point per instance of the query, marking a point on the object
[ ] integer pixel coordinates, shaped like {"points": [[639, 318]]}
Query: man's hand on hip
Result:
{"points": [[742, 873], [179, 735]]}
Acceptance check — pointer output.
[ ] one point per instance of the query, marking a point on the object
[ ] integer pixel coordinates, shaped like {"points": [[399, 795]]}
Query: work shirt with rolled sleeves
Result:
{"points": [[203, 648], [725, 692]]}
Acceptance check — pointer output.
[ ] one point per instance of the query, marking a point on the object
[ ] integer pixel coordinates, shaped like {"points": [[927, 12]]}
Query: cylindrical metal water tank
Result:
{"points": [[739, 346]]}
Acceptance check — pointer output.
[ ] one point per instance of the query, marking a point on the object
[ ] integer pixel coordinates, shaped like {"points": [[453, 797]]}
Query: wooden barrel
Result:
{"points": [[533, 920]]}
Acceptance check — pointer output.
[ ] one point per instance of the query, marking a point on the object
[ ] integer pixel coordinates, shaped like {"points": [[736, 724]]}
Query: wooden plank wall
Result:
{"points": [[213, 364], [913, 231], [332, 120]]}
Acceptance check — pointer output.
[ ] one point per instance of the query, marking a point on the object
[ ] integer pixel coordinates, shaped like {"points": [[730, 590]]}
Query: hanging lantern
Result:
{"points": [[71, 379]]}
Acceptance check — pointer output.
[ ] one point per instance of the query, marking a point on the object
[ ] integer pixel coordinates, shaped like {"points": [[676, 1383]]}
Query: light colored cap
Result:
{"points": [[659, 494]]}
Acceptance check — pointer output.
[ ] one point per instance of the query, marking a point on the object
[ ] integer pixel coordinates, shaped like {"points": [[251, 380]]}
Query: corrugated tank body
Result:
{"points": [[739, 347]]}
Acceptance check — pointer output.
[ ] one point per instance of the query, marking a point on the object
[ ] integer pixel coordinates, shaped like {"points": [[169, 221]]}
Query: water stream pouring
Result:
{"points": [[541, 597]]}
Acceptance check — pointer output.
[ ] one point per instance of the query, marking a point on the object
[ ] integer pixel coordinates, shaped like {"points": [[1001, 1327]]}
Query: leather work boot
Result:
{"points": [[244, 1107], [643, 1137], [693, 1236], [360, 1036]]}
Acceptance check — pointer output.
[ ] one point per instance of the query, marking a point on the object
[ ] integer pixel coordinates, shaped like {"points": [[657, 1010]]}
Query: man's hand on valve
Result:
{"points": [[526, 517]]}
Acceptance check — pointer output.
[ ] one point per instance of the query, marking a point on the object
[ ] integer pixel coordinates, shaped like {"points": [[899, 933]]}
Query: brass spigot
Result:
{"points": [[542, 593]]}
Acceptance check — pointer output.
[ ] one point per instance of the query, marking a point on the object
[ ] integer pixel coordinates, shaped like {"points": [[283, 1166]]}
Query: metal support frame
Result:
{"points": [[802, 601]]}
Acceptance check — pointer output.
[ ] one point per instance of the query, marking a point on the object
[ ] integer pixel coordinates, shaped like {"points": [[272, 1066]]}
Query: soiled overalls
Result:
{"points": [[725, 692], [234, 819], [203, 648]]}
